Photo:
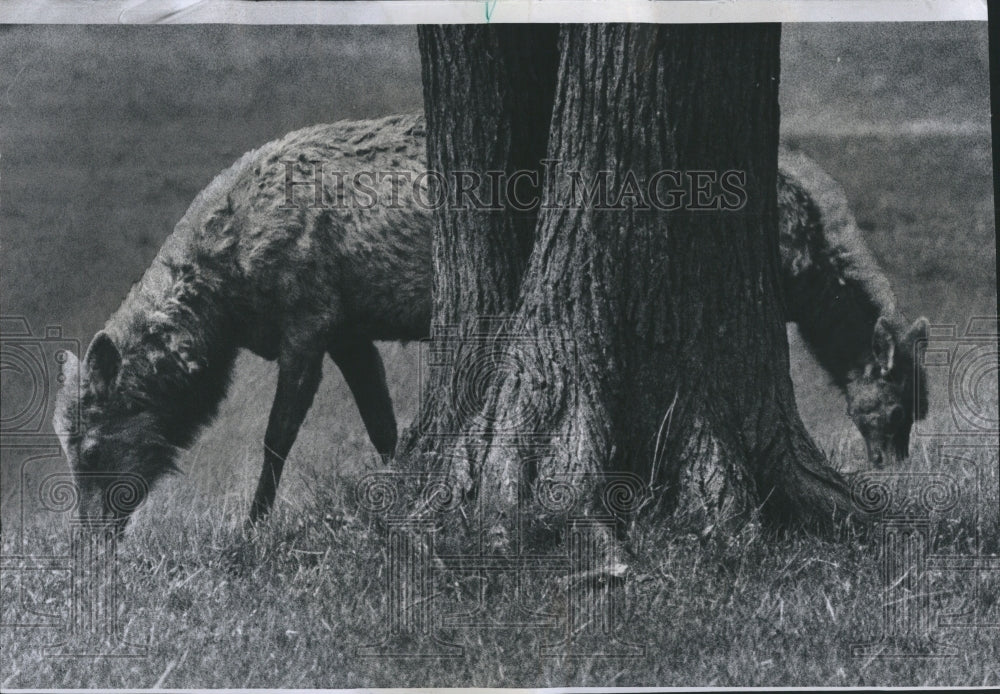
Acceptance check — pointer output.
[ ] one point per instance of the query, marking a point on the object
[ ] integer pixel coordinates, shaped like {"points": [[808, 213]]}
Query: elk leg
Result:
{"points": [[359, 361], [298, 379]]}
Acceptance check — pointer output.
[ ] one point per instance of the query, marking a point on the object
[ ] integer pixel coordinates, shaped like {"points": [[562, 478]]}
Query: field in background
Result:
{"points": [[108, 133]]}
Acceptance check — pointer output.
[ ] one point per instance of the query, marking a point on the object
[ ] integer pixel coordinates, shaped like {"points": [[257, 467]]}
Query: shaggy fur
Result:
{"points": [[846, 310], [243, 269]]}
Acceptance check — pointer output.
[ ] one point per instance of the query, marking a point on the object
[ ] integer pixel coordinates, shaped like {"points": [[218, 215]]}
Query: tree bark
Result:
{"points": [[639, 340], [488, 94]]}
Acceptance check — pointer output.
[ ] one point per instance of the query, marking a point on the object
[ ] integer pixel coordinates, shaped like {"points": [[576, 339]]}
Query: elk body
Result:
{"points": [[266, 261]]}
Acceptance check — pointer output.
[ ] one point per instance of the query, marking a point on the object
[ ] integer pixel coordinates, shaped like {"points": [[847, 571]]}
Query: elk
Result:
{"points": [[247, 268]]}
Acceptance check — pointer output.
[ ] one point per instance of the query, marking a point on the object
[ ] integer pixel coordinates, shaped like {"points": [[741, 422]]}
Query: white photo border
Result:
{"points": [[484, 11]]}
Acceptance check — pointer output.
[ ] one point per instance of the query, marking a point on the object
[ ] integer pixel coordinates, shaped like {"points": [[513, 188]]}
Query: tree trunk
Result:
{"points": [[639, 340], [488, 94]]}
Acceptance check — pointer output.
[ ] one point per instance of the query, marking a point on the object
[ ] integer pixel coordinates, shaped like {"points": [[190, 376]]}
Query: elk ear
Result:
{"points": [[917, 331], [883, 345], [103, 361]]}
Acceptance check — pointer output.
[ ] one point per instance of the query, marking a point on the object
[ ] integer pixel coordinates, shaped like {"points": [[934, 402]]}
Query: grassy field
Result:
{"points": [[106, 135]]}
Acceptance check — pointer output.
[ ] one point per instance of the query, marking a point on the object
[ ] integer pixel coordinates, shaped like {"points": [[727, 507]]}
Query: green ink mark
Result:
{"points": [[490, 5]]}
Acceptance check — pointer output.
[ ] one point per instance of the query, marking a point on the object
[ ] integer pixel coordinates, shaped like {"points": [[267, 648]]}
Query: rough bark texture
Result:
{"points": [[640, 341], [488, 98]]}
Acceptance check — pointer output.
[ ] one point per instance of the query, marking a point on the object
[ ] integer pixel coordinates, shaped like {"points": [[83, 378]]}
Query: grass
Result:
{"points": [[107, 139], [288, 604]]}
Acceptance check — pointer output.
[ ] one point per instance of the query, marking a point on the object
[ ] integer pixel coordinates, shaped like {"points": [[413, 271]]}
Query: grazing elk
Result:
{"points": [[846, 311], [294, 282]]}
